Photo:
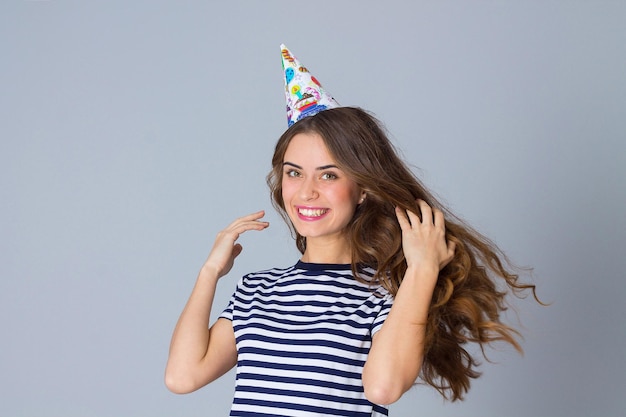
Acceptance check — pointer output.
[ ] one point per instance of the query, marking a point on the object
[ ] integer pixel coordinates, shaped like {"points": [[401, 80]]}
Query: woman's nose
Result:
{"points": [[308, 190]]}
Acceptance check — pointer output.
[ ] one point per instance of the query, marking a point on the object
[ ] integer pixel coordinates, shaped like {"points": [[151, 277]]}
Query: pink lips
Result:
{"points": [[311, 213]]}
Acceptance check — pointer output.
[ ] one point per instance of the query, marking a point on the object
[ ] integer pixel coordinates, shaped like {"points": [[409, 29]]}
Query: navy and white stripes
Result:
{"points": [[303, 334]]}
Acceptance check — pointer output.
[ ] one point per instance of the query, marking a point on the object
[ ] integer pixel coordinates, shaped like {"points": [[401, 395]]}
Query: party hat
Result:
{"points": [[304, 94]]}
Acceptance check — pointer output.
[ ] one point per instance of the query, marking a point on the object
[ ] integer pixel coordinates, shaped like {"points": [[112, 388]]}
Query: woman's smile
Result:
{"points": [[312, 213]]}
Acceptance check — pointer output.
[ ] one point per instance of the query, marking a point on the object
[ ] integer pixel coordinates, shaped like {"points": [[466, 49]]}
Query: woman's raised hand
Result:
{"points": [[225, 249], [424, 241]]}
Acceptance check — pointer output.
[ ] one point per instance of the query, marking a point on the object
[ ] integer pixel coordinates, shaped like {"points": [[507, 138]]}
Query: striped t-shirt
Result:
{"points": [[303, 334]]}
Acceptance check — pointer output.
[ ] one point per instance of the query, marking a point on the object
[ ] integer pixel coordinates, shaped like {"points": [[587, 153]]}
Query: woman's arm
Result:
{"points": [[199, 355], [397, 351]]}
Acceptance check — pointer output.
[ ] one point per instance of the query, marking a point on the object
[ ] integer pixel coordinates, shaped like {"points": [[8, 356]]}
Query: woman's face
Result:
{"points": [[318, 196]]}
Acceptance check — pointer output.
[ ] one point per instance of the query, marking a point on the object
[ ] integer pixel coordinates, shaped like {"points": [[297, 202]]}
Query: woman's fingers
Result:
{"points": [[426, 210], [402, 219], [424, 238], [251, 221], [225, 250], [438, 218], [429, 215], [451, 249], [237, 248]]}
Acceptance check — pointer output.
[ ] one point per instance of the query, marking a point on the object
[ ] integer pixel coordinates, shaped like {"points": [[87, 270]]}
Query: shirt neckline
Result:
{"points": [[309, 266]]}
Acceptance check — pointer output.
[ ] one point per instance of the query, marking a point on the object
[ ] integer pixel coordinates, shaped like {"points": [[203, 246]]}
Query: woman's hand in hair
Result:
{"points": [[424, 240], [225, 249]]}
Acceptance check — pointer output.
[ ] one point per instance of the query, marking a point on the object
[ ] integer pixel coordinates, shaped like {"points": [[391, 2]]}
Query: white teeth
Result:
{"points": [[312, 212]]}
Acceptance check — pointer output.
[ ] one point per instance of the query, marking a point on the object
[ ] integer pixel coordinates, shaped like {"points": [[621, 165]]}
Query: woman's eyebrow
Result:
{"points": [[292, 164], [326, 167], [317, 169]]}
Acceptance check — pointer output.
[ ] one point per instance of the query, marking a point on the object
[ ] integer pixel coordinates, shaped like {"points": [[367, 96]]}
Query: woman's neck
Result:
{"points": [[327, 251]]}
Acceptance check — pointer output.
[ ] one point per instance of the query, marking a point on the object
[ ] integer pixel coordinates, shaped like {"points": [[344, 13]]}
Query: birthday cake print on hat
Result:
{"points": [[304, 94]]}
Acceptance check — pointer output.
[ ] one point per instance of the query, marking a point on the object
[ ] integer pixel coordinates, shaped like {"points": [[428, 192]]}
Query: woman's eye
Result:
{"points": [[292, 173], [329, 176]]}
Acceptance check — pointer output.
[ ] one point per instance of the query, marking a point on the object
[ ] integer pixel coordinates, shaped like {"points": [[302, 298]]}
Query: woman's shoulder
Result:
{"points": [[270, 272]]}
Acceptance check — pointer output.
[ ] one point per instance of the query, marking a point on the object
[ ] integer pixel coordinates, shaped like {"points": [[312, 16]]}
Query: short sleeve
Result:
{"points": [[386, 302], [228, 311]]}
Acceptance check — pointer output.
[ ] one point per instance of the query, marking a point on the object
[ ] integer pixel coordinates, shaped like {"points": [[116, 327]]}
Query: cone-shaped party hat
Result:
{"points": [[304, 94]]}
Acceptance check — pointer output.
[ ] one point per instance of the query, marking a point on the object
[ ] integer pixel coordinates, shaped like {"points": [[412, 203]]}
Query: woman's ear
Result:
{"points": [[363, 197]]}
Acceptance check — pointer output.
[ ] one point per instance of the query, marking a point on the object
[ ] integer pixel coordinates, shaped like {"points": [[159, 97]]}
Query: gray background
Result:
{"points": [[132, 132]]}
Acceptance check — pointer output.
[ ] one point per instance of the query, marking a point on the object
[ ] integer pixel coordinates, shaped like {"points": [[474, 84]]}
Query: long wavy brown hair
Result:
{"points": [[470, 293]]}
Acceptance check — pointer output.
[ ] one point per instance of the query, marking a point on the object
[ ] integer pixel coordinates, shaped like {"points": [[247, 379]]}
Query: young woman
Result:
{"points": [[386, 290]]}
